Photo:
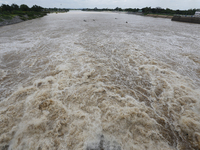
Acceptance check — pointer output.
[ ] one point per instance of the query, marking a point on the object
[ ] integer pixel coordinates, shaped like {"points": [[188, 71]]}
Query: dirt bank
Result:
{"points": [[14, 20], [159, 16], [18, 19]]}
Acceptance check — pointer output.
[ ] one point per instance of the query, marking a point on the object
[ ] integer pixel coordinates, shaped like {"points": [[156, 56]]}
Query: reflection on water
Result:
{"points": [[102, 83]]}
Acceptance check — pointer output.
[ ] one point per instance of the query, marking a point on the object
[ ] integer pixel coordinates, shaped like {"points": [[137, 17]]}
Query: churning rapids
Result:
{"points": [[91, 81]]}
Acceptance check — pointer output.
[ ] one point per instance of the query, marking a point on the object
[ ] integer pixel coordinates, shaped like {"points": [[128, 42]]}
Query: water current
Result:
{"points": [[100, 81]]}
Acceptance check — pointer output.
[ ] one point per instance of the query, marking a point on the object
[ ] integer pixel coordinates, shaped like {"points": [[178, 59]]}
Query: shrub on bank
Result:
{"points": [[23, 11]]}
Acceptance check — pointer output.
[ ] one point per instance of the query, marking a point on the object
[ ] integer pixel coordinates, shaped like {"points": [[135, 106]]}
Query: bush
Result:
{"points": [[23, 18], [30, 14], [18, 12]]}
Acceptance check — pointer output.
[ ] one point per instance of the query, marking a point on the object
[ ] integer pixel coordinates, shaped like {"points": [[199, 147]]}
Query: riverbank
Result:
{"points": [[159, 16], [151, 15], [139, 13], [13, 19]]}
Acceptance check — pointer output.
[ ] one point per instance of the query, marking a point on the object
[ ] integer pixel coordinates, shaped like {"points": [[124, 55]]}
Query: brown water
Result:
{"points": [[100, 84]]}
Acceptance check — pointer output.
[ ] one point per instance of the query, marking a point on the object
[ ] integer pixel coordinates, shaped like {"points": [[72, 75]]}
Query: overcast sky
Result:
{"points": [[172, 4]]}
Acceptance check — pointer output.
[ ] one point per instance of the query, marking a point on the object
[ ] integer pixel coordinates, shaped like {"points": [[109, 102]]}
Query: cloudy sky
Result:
{"points": [[172, 4]]}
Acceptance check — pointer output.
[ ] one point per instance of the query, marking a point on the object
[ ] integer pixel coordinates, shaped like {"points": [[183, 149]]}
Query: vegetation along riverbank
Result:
{"points": [[15, 14]]}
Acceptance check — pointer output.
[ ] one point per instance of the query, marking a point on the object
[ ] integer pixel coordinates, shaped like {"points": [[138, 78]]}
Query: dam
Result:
{"points": [[188, 18]]}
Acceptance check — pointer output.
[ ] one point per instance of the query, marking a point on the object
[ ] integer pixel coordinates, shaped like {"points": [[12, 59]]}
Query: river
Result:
{"points": [[100, 81]]}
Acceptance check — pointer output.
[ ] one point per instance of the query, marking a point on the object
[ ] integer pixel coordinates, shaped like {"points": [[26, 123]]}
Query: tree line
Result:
{"points": [[158, 10], [148, 10], [7, 12], [56, 9], [23, 7], [4, 8]]}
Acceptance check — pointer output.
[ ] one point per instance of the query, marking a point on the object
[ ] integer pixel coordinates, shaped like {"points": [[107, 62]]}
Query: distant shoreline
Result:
{"points": [[136, 13], [17, 19], [159, 16], [152, 15]]}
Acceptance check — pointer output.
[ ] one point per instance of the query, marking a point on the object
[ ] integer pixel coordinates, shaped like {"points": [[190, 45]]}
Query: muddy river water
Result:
{"points": [[100, 81]]}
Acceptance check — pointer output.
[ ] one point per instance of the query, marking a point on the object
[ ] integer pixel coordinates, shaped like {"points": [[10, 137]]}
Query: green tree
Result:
{"points": [[146, 10], [5, 7], [118, 9], [14, 7], [36, 8], [24, 7]]}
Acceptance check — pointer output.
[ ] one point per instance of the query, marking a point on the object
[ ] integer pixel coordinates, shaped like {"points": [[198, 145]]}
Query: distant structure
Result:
{"points": [[197, 13], [188, 18]]}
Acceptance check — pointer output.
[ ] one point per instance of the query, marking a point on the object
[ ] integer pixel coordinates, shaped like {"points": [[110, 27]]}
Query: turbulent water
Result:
{"points": [[100, 81]]}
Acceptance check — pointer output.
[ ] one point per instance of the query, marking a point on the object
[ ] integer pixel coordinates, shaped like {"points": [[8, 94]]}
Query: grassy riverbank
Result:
{"points": [[22, 14], [15, 14], [12, 18]]}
